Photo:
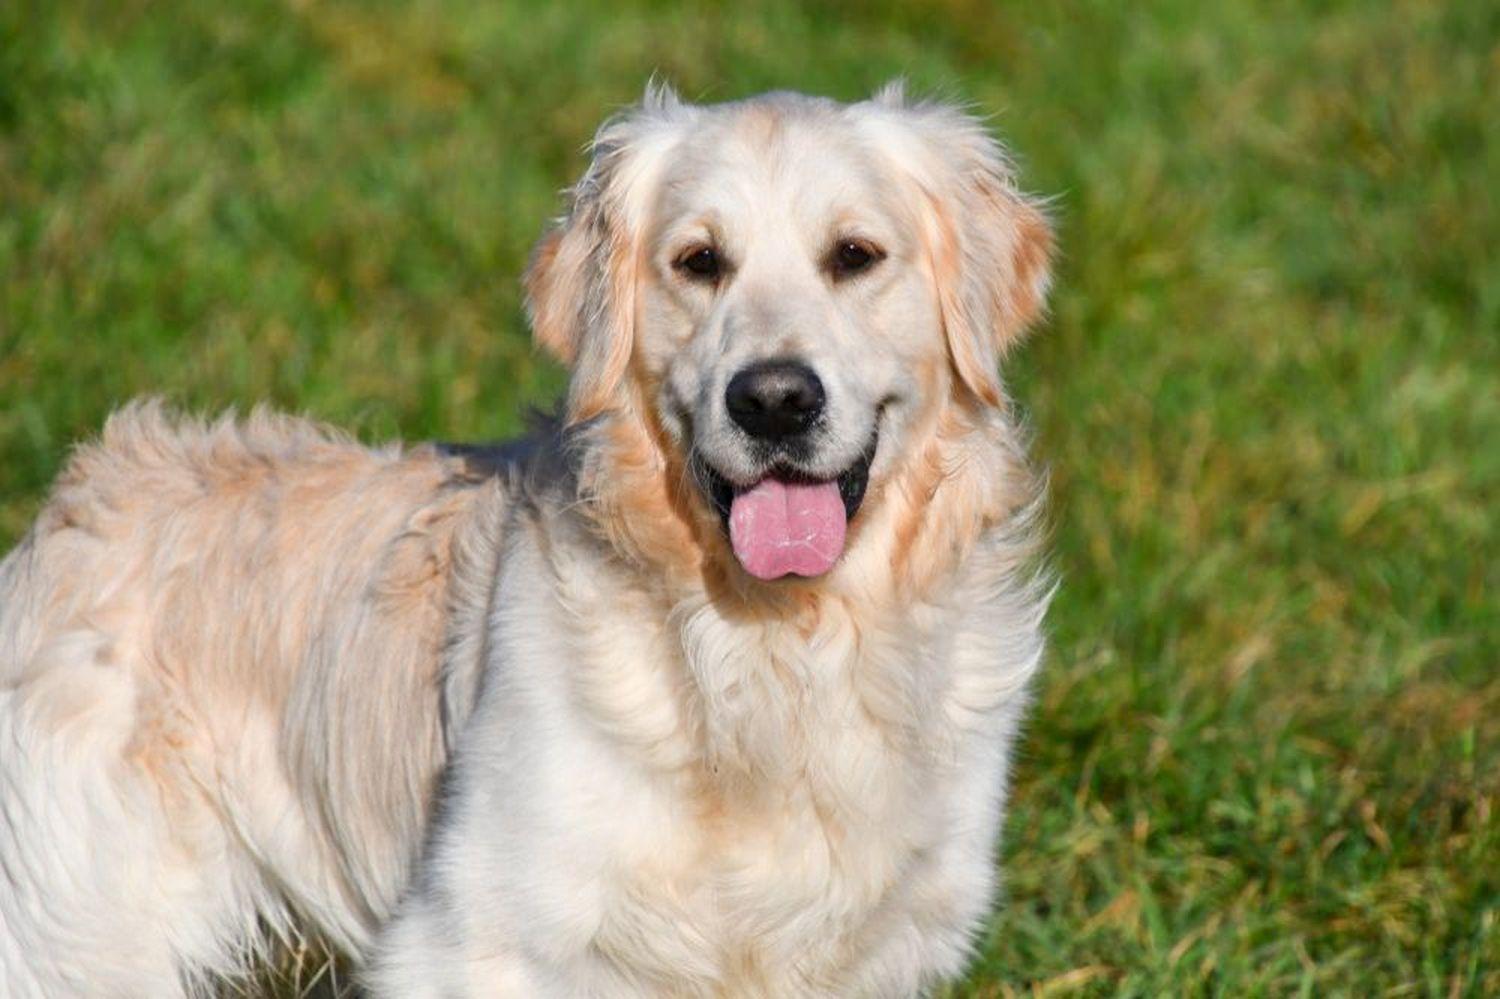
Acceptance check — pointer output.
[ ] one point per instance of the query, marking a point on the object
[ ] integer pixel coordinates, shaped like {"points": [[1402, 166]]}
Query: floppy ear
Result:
{"points": [[992, 270], [581, 281], [990, 245]]}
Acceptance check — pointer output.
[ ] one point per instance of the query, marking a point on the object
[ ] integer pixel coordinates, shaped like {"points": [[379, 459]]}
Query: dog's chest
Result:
{"points": [[764, 897], [806, 787]]}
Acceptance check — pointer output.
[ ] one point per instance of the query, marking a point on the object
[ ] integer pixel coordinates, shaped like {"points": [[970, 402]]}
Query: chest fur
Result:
{"points": [[786, 787], [803, 774]]}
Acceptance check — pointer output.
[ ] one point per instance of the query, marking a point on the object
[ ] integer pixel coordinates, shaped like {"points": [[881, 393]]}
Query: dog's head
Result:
{"points": [[774, 307]]}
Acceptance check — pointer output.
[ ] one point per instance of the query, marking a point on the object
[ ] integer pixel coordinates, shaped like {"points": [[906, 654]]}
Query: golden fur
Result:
{"points": [[237, 658]]}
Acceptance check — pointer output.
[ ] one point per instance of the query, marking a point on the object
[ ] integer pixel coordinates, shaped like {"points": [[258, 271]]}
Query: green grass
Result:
{"points": [[1264, 758]]}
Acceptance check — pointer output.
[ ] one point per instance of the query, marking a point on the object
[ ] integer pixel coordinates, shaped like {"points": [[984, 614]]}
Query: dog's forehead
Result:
{"points": [[744, 157]]}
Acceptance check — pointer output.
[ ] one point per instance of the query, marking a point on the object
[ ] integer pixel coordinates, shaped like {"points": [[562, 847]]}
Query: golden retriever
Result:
{"points": [[710, 690]]}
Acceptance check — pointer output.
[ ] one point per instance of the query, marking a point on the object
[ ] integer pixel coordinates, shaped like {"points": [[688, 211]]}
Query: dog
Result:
{"points": [[708, 689]]}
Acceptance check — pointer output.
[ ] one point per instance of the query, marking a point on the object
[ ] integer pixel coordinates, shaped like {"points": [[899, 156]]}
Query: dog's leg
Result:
{"points": [[421, 957], [104, 886]]}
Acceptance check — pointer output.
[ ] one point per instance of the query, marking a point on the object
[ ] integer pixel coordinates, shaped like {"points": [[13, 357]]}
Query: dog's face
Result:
{"points": [[790, 289]]}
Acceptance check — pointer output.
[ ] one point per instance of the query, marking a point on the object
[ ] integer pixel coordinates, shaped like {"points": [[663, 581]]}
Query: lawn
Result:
{"points": [[1265, 754]]}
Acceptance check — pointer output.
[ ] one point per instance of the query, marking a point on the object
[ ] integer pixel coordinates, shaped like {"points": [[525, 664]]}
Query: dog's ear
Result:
{"points": [[581, 281], [993, 267], [990, 245]]}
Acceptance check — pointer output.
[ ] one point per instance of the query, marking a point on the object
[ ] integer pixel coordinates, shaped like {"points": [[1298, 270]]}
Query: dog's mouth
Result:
{"points": [[788, 523]]}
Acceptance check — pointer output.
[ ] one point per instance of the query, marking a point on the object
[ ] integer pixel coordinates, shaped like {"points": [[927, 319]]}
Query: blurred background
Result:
{"points": [[1264, 754]]}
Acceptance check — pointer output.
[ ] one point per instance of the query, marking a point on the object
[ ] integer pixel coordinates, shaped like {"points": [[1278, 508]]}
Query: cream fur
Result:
{"points": [[238, 659]]}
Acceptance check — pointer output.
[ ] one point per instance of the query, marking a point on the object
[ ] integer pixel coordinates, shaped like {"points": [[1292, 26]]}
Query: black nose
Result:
{"points": [[774, 399]]}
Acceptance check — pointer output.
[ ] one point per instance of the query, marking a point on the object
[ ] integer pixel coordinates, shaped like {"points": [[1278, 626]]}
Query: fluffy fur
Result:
{"points": [[513, 722]]}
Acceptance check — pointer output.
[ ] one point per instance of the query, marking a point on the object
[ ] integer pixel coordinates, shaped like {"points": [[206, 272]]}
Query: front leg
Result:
{"points": [[424, 953]]}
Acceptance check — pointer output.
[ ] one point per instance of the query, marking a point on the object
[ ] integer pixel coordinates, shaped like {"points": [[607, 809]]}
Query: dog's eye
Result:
{"points": [[700, 263], [853, 256]]}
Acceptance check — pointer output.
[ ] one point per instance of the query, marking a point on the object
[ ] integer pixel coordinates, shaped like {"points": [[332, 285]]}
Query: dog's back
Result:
{"points": [[220, 649]]}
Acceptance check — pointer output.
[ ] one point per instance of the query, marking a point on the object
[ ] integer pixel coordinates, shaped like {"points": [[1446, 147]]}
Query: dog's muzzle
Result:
{"points": [[788, 522]]}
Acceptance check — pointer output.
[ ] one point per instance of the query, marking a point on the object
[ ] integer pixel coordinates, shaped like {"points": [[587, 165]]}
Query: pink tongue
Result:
{"points": [[787, 527]]}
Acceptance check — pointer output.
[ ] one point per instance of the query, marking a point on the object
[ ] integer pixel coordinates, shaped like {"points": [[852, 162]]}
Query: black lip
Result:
{"points": [[852, 481]]}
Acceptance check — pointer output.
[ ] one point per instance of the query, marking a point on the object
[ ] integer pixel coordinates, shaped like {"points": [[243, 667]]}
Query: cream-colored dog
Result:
{"points": [[709, 692]]}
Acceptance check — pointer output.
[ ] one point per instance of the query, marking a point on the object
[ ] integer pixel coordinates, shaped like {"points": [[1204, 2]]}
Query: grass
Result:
{"points": [[1264, 758]]}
